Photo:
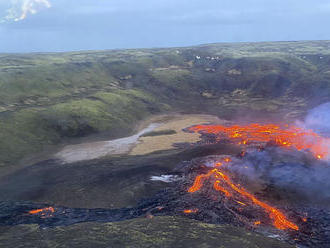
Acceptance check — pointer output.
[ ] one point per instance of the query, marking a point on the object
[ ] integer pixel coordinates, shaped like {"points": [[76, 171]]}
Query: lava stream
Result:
{"points": [[190, 211], [42, 211], [279, 219], [292, 136]]}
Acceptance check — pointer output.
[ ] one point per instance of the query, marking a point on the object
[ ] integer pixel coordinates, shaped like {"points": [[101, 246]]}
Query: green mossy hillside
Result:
{"points": [[166, 232], [46, 98], [28, 130]]}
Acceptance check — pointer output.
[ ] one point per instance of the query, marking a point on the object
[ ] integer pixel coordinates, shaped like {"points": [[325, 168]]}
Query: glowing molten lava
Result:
{"points": [[224, 184], [190, 211], [43, 211], [293, 136]]}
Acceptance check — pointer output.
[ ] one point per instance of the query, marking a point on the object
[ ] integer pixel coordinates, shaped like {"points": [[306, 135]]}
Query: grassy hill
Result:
{"points": [[46, 98], [163, 232]]}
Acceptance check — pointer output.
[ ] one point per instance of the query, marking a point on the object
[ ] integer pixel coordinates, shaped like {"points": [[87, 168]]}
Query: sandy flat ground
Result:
{"points": [[176, 122], [93, 150], [136, 144]]}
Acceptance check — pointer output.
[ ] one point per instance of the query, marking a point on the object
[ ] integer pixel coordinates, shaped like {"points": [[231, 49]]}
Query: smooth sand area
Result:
{"points": [[93, 150], [137, 144]]}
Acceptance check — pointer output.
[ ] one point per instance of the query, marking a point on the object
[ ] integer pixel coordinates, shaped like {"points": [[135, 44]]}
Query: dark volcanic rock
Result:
{"points": [[206, 205]]}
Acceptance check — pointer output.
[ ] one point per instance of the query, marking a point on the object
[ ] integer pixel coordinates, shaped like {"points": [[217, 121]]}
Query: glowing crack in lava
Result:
{"points": [[190, 211], [292, 136], [224, 184], [43, 211]]}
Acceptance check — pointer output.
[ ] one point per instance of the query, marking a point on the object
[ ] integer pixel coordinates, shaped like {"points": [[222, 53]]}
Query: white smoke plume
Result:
{"points": [[318, 118], [21, 9]]}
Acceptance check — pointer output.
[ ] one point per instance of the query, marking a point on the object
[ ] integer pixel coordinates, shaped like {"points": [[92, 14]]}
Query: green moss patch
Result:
{"points": [[159, 133], [163, 232]]}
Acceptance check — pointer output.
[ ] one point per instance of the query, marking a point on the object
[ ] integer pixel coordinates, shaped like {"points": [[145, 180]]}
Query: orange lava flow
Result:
{"points": [[42, 210], [227, 160], [190, 211], [217, 187], [279, 219], [199, 182], [293, 136]]}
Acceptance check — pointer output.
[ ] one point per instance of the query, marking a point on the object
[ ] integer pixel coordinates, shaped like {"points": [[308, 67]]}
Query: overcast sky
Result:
{"points": [[64, 25]]}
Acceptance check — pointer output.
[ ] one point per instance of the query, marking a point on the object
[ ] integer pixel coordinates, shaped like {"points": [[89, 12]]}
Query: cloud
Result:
{"points": [[19, 9]]}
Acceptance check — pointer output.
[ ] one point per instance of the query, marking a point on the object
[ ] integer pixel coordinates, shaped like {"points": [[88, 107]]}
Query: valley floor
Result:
{"points": [[162, 133]]}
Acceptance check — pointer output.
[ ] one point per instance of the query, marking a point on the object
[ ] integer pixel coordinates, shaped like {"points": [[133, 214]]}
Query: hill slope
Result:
{"points": [[46, 98]]}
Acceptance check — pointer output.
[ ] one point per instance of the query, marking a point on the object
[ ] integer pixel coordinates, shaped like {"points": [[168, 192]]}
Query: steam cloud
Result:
{"points": [[303, 176], [318, 118], [20, 9], [286, 171], [290, 171], [294, 174]]}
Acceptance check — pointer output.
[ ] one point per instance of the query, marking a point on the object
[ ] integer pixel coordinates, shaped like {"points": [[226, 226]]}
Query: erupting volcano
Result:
{"points": [[237, 178], [264, 149]]}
